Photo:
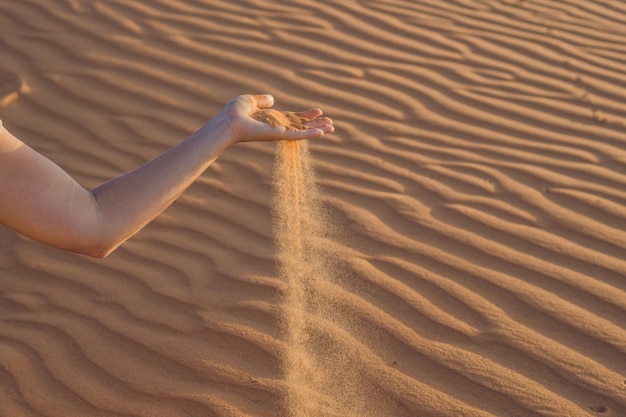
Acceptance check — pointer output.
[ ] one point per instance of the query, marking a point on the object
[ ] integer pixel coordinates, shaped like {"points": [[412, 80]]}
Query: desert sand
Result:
{"points": [[287, 119], [471, 241]]}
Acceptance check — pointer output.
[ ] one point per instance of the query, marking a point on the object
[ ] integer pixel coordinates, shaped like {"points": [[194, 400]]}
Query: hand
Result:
{"points": [[246, 129]]}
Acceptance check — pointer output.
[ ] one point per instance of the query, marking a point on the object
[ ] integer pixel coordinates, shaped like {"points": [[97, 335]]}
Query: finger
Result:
{"points": [[327, 128], [309, 114], [319, 122], [315, 131], [304, 134]]}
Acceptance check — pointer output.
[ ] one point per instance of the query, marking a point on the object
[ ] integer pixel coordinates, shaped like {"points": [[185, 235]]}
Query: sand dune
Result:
{"points": [[474, 191]]}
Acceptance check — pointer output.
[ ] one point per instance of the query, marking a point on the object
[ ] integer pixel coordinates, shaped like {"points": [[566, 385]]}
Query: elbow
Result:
{"points": [[83, 245], [99, 251], [94, 249], [98, 238], [95, 252]]}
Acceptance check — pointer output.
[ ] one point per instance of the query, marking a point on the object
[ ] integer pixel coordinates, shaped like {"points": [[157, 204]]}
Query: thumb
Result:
{"points": [[263, 101]]}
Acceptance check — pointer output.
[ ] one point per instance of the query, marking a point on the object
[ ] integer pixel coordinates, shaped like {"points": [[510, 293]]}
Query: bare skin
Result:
{"points": [[40, 200]]}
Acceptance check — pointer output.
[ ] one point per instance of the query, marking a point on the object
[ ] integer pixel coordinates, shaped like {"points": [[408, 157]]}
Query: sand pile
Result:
{"points": [[275, 118]]}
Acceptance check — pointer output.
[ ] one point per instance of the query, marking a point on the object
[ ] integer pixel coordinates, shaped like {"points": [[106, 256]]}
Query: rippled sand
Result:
{"points": [[475, 187]]}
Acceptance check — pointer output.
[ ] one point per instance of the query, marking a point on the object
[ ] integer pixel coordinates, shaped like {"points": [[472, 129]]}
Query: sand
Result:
{"points": [[474, 190], [275, 118], [322, 370]]}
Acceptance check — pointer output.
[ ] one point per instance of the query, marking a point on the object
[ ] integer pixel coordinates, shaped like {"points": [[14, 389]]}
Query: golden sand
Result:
{"points": [[321, 365], [475, 186], [275, 118]]}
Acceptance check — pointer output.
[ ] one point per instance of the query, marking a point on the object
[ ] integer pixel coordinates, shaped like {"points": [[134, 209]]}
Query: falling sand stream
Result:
{"points": [[296, 228], [322, 367], [322, 372]]}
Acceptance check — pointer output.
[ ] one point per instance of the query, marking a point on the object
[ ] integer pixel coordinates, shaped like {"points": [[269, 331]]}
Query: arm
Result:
{"points": [[40, 200]]}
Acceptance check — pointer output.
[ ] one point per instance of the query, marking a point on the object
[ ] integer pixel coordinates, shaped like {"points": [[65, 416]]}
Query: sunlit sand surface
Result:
{"points": [[474, 194]]}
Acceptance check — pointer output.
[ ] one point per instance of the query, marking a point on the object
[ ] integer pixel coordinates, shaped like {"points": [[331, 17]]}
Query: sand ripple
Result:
{"points": [[475, 186]]}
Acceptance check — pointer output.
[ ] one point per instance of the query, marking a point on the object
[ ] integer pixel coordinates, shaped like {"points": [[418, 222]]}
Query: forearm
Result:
{"points": [[127, 203], [40, 200]]}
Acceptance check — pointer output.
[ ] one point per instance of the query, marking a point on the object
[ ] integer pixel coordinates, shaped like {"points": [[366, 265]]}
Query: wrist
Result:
{"points": [[218, 132]]}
